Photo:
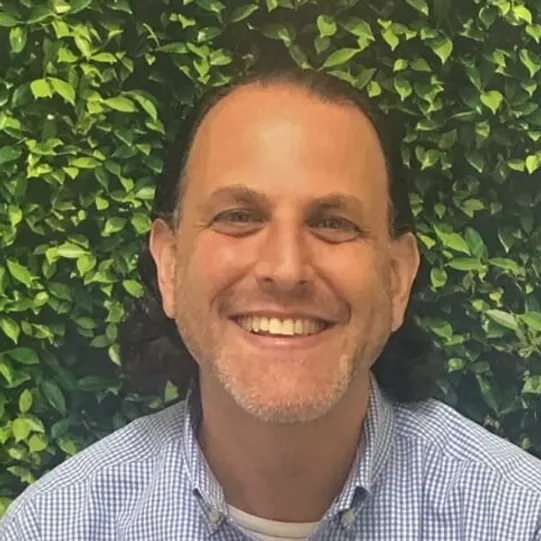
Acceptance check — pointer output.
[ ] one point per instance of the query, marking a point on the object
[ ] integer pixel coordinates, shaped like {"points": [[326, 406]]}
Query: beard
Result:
{"points": [[271, 390]]}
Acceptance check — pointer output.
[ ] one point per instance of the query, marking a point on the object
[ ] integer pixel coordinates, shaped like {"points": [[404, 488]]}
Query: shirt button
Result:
{"points": [[214, 516], [348, 517]]}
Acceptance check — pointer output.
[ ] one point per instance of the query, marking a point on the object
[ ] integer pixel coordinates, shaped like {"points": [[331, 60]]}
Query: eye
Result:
{"points": [[335, 229], [237, 222]]}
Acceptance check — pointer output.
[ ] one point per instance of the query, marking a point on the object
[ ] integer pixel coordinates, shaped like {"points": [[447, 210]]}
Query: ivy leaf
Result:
{"points": [[25, 401], [70, 251], [532, 385], [63, 89], [419, 5], [504, 319], [121, 103], [533, 162], [358, 28], [21, 429], [17, 39], [340, 57], [530, 60], [243, 12], [41, 88], [442, 47], [326, 26], [19, 272], [492, 99], [54, 395], [146, 104], [23, 355], [282, 32], [533, 320], [7, 21]]}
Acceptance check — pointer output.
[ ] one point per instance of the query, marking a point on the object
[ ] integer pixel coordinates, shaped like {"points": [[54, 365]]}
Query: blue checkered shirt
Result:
{"points": [[422, 472]]}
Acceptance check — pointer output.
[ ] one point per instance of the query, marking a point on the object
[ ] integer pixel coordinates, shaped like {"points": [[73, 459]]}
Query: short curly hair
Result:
{"points": [[151, 348]]}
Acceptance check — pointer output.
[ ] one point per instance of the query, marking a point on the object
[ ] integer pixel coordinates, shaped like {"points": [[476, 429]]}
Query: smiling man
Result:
{"points": [[279, 271]]}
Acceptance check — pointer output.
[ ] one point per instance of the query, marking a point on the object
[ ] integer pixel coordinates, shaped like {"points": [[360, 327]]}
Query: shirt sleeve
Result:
{"points": [[20, 524]]}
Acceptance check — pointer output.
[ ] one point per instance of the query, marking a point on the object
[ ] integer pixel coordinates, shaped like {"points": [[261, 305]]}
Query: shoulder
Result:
{"points": [[449, 437], [131, 450]]}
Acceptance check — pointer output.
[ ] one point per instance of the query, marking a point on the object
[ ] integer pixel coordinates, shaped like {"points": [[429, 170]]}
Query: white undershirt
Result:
{"points": [[272, 530]]}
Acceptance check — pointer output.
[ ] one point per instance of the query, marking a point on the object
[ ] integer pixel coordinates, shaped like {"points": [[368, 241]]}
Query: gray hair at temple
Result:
{"points": [[151, 349]]}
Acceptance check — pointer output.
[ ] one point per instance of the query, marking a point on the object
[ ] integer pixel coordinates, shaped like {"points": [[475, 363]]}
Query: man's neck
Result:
{"points": [[287, 472]]}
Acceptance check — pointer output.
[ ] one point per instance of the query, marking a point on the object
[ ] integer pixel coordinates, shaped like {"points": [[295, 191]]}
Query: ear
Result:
{"points": [[163, 250], [405, 260]]}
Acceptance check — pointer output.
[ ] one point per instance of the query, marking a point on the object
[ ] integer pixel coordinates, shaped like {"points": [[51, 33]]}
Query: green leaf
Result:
{"points": [[340, 57], [243, 12], [492, 99], [358, 27], [86, 162], [63, 89], [419, 5], [403, 87], [19, 272], [21, 429], [17, 39], [121, 103], [420, 64], [438, 277], [114, 224], [271, 4], [9, 154], [70, 251], [283, 32], [522, 13], [534, 31], [466, 264], [532, 385], [298, 56], [85, 263], [533, 162], [504, 319], [23, 355], [146, 104], [530, 60], [391, 38], [41, 88], [171, 392], [326, 25], [475, 242], [79, 5], [25, 401], [533, 320], [54, 396], [442, 47], [135, 289], [7, 21], [37, 443]]}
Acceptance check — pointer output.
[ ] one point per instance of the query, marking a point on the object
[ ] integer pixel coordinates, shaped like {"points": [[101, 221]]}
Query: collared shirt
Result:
{"points": [[422, 472]]}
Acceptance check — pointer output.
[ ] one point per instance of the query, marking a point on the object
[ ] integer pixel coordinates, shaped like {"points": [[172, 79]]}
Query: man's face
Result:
{"points": [[282, 276]]}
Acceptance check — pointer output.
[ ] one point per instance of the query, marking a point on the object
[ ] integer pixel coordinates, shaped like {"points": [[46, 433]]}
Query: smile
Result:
{"points": [[274, 326]]}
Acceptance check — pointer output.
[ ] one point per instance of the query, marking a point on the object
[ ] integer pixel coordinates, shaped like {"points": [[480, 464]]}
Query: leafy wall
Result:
{"points": [[91, 90]]}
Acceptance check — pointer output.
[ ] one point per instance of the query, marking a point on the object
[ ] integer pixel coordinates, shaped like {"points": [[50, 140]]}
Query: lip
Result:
{"points": [[281, 315], [289, 343]]}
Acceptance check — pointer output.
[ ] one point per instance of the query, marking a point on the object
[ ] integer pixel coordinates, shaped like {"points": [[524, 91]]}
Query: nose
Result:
{"points": [[284, 261]]}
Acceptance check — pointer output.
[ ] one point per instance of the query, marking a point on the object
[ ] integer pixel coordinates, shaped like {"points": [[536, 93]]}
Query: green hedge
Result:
{"points": [[90, 92]]}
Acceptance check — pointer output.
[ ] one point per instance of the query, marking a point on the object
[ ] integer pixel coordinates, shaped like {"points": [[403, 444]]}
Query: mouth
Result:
{"points": [[282, 327]]}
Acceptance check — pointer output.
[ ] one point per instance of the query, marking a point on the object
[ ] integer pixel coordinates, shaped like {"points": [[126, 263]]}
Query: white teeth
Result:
{"points": [[281, 327]]}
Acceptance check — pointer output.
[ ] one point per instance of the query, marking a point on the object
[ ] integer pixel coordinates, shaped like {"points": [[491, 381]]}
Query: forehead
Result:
{"points": [[281, 138]]}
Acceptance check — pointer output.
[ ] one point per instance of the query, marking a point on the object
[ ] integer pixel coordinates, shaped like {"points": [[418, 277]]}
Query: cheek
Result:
{"points": [[217, 263]]}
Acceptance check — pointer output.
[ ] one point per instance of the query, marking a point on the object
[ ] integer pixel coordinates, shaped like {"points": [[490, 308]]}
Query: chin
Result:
{"points": [[287, 403]]}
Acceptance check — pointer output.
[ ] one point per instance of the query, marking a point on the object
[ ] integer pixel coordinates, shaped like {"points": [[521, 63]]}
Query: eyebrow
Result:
{"points": [[239, 193]]}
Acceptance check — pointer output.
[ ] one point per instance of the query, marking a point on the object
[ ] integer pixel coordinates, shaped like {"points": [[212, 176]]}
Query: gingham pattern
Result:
{"points": [[423, 473]]}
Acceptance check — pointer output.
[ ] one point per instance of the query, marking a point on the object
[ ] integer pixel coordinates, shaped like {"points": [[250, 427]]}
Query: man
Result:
{"points": [[283, 259]]}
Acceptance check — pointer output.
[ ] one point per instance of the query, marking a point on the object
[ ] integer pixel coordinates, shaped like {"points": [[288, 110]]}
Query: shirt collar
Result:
{"points": [[374, 447]]}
